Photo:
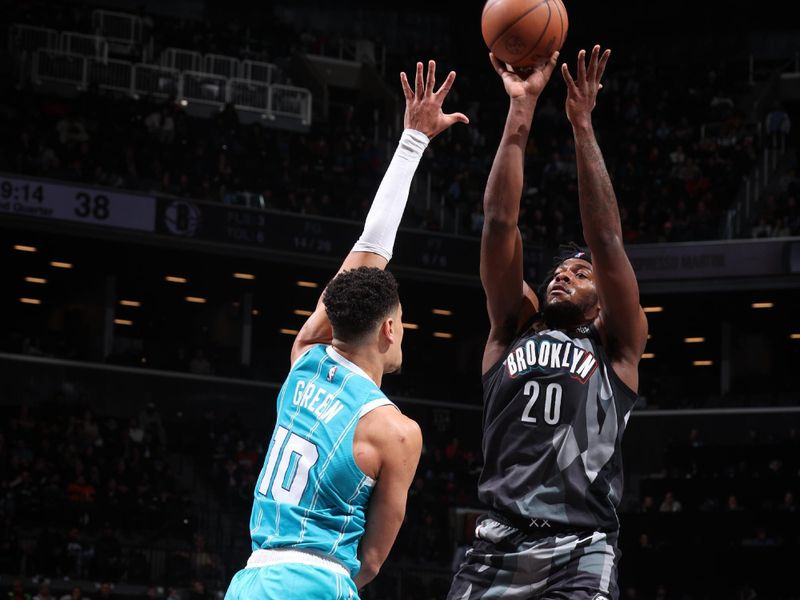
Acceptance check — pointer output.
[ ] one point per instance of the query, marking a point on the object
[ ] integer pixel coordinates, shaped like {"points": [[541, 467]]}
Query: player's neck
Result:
{"points": [[364, 357]]}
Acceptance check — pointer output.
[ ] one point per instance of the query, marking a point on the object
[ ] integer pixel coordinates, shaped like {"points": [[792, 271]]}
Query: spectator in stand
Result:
{"points": [[75, 594], [17, 592], [669, 504], [44, 593]]}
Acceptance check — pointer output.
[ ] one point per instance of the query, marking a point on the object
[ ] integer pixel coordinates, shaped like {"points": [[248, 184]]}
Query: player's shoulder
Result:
{"points": [[389, 426]]}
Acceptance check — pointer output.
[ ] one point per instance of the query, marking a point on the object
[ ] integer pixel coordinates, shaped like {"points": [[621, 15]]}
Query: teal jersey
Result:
{"points": [[311, 495]]}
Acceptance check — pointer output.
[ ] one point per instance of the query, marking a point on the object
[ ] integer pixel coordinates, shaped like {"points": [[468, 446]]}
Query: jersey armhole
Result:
{"points": [[302, 356], [594, 334], [488, 375], [373, 404]]}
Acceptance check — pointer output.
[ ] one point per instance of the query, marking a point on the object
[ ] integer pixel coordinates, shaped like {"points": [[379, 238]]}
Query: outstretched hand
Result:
{"points": [[582, 91], [527, 83], [424, 106]]}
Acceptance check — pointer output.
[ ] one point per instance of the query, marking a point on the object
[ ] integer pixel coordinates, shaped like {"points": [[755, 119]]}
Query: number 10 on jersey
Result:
{"points": [[294, 458]]}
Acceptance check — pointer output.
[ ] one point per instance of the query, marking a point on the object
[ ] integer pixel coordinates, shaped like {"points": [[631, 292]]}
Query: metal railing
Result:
{"points": [[247, 95], [29, 38], [182, 60], [224, 66], [290, 101], [111, 74], [58, 67], [156, 81], [205, 88], [159, 81], [259, 72], [117, 27], [94, 46]]}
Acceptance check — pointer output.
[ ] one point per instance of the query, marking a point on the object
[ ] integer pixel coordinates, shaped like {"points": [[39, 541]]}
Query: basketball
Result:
{"points": [[523, 33]]}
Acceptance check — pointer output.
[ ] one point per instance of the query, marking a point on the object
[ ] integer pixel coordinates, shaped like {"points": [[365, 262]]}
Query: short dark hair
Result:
{"points": [[565, 252], [357, 300]]}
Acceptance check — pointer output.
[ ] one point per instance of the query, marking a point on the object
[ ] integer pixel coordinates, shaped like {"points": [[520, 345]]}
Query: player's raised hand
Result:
{"points": [[424, 105], [526, 84], [582, 91]]}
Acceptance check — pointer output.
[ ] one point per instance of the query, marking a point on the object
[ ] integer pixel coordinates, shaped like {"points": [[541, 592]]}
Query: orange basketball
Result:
{"points": [[522, 33]]}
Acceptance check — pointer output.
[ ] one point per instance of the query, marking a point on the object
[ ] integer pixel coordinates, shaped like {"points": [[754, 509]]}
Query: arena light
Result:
{"points": [[702, 363], [248, 276], [410, 326], [23, 248], [184, 102], [30, 300], [255, 312], [36, 280], [302, 312], [132, 303], [653, 309], [443, 335], [175, 279], [648, 355], [286, 331], [694, 340], [58, 264], [763, 305], [442, 312], [196, 300], [307, 284], [126, 322]]}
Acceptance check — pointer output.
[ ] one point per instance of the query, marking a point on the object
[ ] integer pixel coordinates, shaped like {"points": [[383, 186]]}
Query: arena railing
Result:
{"points": [[257, 71], [111, 74], [181, 59], [59, 67], [156, 81], [29, 38], [246, 94], [160, 81], [204, 88], [291, 101], [92, 46], [224, 66], [119, 29]]}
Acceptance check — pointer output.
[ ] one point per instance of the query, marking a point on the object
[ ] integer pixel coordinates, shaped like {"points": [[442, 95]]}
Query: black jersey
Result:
{"points": [[554, 414]]}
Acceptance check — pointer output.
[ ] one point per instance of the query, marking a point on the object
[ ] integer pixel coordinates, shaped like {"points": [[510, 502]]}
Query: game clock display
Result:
{"points": [[39, 199]]}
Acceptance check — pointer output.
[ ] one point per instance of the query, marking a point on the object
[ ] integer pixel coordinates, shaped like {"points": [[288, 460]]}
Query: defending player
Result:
{"points": [[331, 496], [559, 380]]}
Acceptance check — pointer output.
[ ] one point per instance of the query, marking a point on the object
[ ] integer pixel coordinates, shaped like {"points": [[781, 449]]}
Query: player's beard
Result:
{"points": [[563, 315]]}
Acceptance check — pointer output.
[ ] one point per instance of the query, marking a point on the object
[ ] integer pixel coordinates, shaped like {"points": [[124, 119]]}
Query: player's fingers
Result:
{"points": [[592, 73], [429, 85], [406, 88], [550, 64], [498, 66], [457, 118], [419, 86], [448, 83], [601, 67], [581, 76], [567, 76]]}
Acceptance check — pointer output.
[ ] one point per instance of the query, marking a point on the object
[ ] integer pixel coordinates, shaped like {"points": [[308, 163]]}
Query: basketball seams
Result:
{"points": [[559, 5], [535, 46], [522, 16]]}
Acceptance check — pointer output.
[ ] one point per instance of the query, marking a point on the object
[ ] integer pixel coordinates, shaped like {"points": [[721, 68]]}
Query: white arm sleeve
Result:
{"points": [[383, 220]]}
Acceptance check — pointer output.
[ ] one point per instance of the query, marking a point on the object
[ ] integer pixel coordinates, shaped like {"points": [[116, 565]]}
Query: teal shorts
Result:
{"points": [[286, 581]]}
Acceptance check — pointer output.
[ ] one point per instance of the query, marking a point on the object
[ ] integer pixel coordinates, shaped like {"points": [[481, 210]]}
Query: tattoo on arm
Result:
{"points": [[598, 203]]}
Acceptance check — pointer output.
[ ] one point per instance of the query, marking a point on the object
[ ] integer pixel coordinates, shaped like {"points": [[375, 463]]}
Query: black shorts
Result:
{"points": [[507, 563]]}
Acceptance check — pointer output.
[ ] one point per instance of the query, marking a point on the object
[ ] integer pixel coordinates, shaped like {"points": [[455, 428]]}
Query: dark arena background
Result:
{"points": [[179, 179]]}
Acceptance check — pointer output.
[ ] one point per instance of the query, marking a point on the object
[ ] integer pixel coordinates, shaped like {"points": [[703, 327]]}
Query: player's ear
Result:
{"points": [[389, 329]]}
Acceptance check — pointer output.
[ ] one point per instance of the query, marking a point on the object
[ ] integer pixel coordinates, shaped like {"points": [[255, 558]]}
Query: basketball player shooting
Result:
{"points": [[559, 379], [331, 496]]}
